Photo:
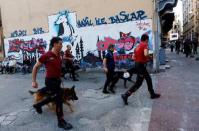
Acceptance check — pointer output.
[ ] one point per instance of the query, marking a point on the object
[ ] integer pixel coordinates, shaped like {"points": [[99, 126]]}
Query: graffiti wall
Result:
{"points": [[125, 37], [27, 46], [89, 38]]}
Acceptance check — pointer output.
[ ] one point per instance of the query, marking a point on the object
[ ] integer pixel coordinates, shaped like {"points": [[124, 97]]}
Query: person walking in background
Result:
{"points": [[141, 55], [68, 57], [187, 48], [172, 45], [178, 43], [195, 46], [109, 68]]}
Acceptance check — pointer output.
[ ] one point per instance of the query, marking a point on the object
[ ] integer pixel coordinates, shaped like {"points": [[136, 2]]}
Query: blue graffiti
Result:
{"points": [[19, 33], [85, 22], [38, 30], [100, 21], [122, 17]]}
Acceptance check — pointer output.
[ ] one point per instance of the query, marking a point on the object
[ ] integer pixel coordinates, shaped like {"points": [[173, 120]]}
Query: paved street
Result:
{"points": [[176, 110]]}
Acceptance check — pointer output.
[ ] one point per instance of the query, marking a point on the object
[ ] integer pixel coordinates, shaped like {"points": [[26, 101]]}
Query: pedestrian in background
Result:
{"points": [[69, 64], [178, 43], [172, 45], [141, 55], [187, 47], [195, 46]]}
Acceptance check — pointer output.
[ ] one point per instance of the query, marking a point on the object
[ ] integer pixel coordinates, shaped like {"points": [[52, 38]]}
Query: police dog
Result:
{"points": [[68, 94], [125, 75]]}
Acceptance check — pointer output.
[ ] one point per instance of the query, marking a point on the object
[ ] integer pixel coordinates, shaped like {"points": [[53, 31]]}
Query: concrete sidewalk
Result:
{"points": [[94, 111], [178, 108]]}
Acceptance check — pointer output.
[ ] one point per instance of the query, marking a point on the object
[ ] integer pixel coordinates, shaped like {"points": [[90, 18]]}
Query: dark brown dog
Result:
{"points": [[120, 75], [68, 94]]}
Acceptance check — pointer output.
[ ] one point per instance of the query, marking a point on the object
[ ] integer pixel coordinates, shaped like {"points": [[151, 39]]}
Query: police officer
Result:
{"points": [[52, 62], [141, 55], [109, 68]]}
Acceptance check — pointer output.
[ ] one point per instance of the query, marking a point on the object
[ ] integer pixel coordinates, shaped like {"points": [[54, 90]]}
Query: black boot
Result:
{"points": [[65, 125], [125, 99], [111, 90], [105, 91], [155, 96], [75, 79]]}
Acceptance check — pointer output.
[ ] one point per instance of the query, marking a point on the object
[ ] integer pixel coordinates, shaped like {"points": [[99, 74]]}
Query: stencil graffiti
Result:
{"points": [[63, 25]]}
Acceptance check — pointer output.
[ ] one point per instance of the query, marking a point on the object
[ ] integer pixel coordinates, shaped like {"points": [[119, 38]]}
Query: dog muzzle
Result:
{"points": [[126, 75]]}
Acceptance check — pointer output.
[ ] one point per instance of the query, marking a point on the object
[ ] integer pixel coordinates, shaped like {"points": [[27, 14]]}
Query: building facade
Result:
{"points": [[89, 26], [176, 31], [191, 19]]}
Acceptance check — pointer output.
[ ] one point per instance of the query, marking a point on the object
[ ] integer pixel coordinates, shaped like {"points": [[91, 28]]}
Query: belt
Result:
{"points": [[53, 78]]}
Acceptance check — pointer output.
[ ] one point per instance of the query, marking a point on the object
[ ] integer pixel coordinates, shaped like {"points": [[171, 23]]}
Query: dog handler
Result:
{"points": [[109, 68], [141, 56], [52, 62]]}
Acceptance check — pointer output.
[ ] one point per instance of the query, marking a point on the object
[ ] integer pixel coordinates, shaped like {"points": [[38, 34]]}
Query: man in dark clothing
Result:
{"points": [[26, 65], [109, 68], [195, 46], [187, 47], [141, 56], [178, 43], [172, 46], [52, 62]]}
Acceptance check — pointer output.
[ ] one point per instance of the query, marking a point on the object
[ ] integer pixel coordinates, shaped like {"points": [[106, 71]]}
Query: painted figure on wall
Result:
{"points": [[65, 29]]}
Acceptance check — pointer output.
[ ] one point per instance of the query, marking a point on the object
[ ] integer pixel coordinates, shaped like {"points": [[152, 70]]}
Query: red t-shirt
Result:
{"points": [[139, 53], [52, 63], [68, 53]]}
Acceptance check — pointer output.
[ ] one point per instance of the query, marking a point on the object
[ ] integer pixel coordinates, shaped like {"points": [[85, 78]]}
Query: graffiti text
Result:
{"points": [[120, 18], [38, 30], [19, 33], [32, 45]]}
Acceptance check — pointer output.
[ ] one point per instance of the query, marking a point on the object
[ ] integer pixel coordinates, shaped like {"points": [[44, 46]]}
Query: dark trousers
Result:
{"points": [[71, 69], [53, 88], [142, 74], [109, 78], [195, 50]]}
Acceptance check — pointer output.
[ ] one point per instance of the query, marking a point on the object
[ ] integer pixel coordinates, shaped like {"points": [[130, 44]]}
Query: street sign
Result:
{"points": [[174, 36]]}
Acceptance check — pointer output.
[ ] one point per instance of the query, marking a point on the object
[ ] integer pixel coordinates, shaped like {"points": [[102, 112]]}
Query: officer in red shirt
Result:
{"points": [[52, 62], [68, 57], [141, 55]]}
